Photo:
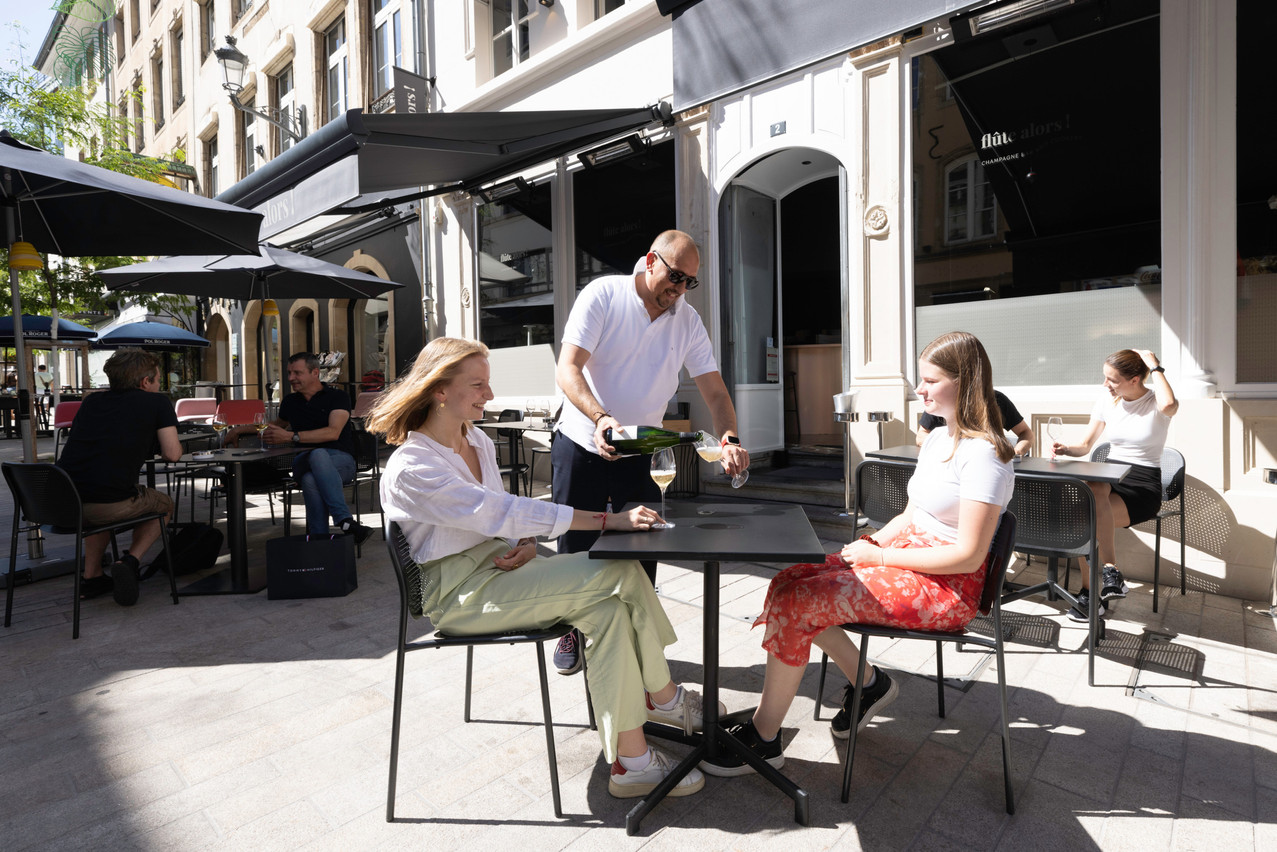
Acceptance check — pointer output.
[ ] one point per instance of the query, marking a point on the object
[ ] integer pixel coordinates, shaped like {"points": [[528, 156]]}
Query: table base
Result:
{"points": [[221, 583], [721, 739]]}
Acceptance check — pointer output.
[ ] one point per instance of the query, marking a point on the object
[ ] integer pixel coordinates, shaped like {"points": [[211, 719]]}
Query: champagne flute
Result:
{"points": [[1054, 429], [710, 449], [663, 470], [219, 426]]}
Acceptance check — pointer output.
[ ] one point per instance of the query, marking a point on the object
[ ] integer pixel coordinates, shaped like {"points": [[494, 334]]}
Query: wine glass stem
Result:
{"points": [[662, 502]]}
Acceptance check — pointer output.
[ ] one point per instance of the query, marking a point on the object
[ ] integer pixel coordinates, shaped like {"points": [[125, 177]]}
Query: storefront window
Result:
{"points": [[374, 360], [1037, 204], [516, 270], [618, 208], [1256, 195]]}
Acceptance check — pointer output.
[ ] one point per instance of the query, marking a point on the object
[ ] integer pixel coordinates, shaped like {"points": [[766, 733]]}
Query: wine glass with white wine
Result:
{"points": [[1055, 431], [663, 470], [710, 449], [260, 424], [219, 426]]}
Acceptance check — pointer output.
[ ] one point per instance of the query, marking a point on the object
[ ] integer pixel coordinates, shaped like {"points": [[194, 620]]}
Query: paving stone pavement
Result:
{"points": [[241, 723]]}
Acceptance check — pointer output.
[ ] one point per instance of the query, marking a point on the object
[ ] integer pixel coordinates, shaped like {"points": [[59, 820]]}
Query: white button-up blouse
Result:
{"points": [[431, 493]]}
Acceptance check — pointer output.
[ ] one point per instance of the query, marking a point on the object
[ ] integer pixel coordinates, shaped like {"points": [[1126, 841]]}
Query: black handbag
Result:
{"points": [[302, 566]]}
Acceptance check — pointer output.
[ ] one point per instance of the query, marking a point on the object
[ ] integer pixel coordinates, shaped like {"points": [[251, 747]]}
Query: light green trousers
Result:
{"points": [[610, 601]]}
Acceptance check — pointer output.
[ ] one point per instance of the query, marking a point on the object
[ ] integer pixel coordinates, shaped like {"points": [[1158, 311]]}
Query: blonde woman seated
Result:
{"points": [[924, 569], [476, 545]]}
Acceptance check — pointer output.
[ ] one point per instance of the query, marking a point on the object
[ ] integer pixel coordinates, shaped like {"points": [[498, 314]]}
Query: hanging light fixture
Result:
{"points": [[270, 308], [23, 256]]}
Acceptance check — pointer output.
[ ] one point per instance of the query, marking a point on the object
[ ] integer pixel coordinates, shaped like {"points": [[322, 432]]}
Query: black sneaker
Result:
{"points": [[1113, 586], [567, 654], [872, 702], [1079, 613], [729, 764], [95, 587], [352, 527], [124, 574]]}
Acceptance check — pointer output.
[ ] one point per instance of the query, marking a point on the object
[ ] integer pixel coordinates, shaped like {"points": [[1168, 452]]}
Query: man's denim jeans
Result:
{"points": [[322, 472]]}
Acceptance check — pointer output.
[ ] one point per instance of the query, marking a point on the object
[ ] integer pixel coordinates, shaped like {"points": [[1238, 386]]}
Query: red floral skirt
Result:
{"points": [[804, 600]]}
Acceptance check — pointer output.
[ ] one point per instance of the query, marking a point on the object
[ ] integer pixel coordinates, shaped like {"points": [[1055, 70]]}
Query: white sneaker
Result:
{"points": [[688, 713], [636, 783]]}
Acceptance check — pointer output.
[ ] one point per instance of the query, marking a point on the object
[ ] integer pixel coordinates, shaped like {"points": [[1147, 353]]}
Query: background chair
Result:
{"points": [[518, 464], [63, 416], [364, 403], [367, 470], [990, 601], [411, 596], [195, 409], [44, 495], [240, 412], [1172, 465], [882, 491]]}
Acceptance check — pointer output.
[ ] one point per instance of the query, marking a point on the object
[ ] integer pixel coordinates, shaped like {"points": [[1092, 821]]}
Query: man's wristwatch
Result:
{"points": [[297, 437]]}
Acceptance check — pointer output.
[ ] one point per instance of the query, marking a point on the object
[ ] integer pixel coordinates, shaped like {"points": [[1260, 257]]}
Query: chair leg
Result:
{"points": [[396, 716], [589, 702], [13, 568], [549, 731], [820, 687], [469, 672], [1006, 725], [1183, 566], [851, 735], [75, 599], [1157, 559], [940, 676]]}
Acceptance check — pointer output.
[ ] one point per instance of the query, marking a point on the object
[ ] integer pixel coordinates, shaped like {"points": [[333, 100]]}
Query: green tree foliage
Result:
{"points": [[54, 117]]}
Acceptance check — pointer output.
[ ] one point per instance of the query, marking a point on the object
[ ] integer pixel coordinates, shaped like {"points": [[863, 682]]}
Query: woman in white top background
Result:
{"points": [[1134, 419], [477, 547]]}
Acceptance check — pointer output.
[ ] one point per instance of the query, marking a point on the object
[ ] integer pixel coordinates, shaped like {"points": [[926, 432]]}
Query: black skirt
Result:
{"points": [[1141, 491]]}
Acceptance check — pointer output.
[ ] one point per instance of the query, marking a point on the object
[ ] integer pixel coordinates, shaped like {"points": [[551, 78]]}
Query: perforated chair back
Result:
{"points": [[46, 495], [1055, 516], [882, 489], [1000, 552], [240, 412]]}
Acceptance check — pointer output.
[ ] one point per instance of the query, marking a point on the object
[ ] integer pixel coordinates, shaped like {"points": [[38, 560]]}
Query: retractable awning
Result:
{"points": [[361, 162]]}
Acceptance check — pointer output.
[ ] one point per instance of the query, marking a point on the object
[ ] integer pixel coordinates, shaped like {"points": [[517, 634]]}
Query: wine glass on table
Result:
{"points": [[710, 449], [219, 426], [663, 470], [260, 424], [1055, 431]]}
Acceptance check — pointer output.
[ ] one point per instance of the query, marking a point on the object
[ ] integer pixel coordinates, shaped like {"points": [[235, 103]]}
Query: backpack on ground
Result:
{"points": [[195, 547]]}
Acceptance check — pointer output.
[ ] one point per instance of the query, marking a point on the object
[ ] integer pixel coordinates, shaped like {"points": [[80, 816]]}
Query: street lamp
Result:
{"points": [[234, 63]]}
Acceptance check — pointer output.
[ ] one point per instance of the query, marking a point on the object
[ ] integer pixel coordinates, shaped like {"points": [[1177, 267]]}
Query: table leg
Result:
{"points": [[238, 582], [514, 467]]}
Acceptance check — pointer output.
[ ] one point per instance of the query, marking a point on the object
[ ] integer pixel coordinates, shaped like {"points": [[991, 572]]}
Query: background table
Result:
{"points": [[236, 580], [713, 532], [517, 428]]}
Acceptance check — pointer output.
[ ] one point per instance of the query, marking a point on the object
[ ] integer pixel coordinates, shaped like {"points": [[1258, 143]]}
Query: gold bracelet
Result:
{"points": [[882, 557]]}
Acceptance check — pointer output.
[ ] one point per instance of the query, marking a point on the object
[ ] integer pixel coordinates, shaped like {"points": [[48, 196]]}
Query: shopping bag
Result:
{"points": [[302, 566]]}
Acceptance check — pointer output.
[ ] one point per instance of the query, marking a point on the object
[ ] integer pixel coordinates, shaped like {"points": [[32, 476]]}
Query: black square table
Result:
{"points": [[712, 533]]}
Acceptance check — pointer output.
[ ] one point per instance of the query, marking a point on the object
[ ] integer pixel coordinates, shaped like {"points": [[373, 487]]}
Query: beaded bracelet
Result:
{"points": [[869, 539]]}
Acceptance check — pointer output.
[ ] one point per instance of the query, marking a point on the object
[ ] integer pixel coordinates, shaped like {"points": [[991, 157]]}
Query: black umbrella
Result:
{"points": [[154, 336], [74, 209], [272, 274]]}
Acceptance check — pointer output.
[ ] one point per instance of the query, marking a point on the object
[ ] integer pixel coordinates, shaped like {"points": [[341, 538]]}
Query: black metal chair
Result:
{"points": [[44, 495], [1000, 551], [518, 464], [367, 470], [412, 594], [1172, 494]]}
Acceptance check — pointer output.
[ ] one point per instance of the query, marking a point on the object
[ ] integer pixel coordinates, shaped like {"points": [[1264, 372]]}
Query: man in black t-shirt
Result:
{"points": [[113, 434], [317, 417], [1012, 421]]}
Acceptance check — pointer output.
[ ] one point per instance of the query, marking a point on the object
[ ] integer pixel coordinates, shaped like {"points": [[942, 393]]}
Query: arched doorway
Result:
{"points": [[782, 227], [217, 357]]}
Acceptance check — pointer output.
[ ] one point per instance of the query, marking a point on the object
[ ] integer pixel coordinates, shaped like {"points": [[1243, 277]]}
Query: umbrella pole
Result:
{"points": [[35, 545]]}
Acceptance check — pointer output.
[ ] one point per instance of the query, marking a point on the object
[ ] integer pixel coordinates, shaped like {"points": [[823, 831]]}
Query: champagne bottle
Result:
{"points": [[647, 439]]}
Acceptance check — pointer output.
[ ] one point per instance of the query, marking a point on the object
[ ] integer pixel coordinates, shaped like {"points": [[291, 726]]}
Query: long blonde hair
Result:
{"points": [[962, 357], [405, 405]]}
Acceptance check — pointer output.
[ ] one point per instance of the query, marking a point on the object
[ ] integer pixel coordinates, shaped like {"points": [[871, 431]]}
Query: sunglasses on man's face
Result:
{"points": [[677, 277]]}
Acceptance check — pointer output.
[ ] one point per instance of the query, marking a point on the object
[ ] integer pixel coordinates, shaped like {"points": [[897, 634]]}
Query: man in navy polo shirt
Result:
{"points": [[317, 418]]}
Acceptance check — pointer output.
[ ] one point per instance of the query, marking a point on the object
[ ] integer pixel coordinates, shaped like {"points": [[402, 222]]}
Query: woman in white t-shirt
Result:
{"points": [[1134, 420], [924, 569]]}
